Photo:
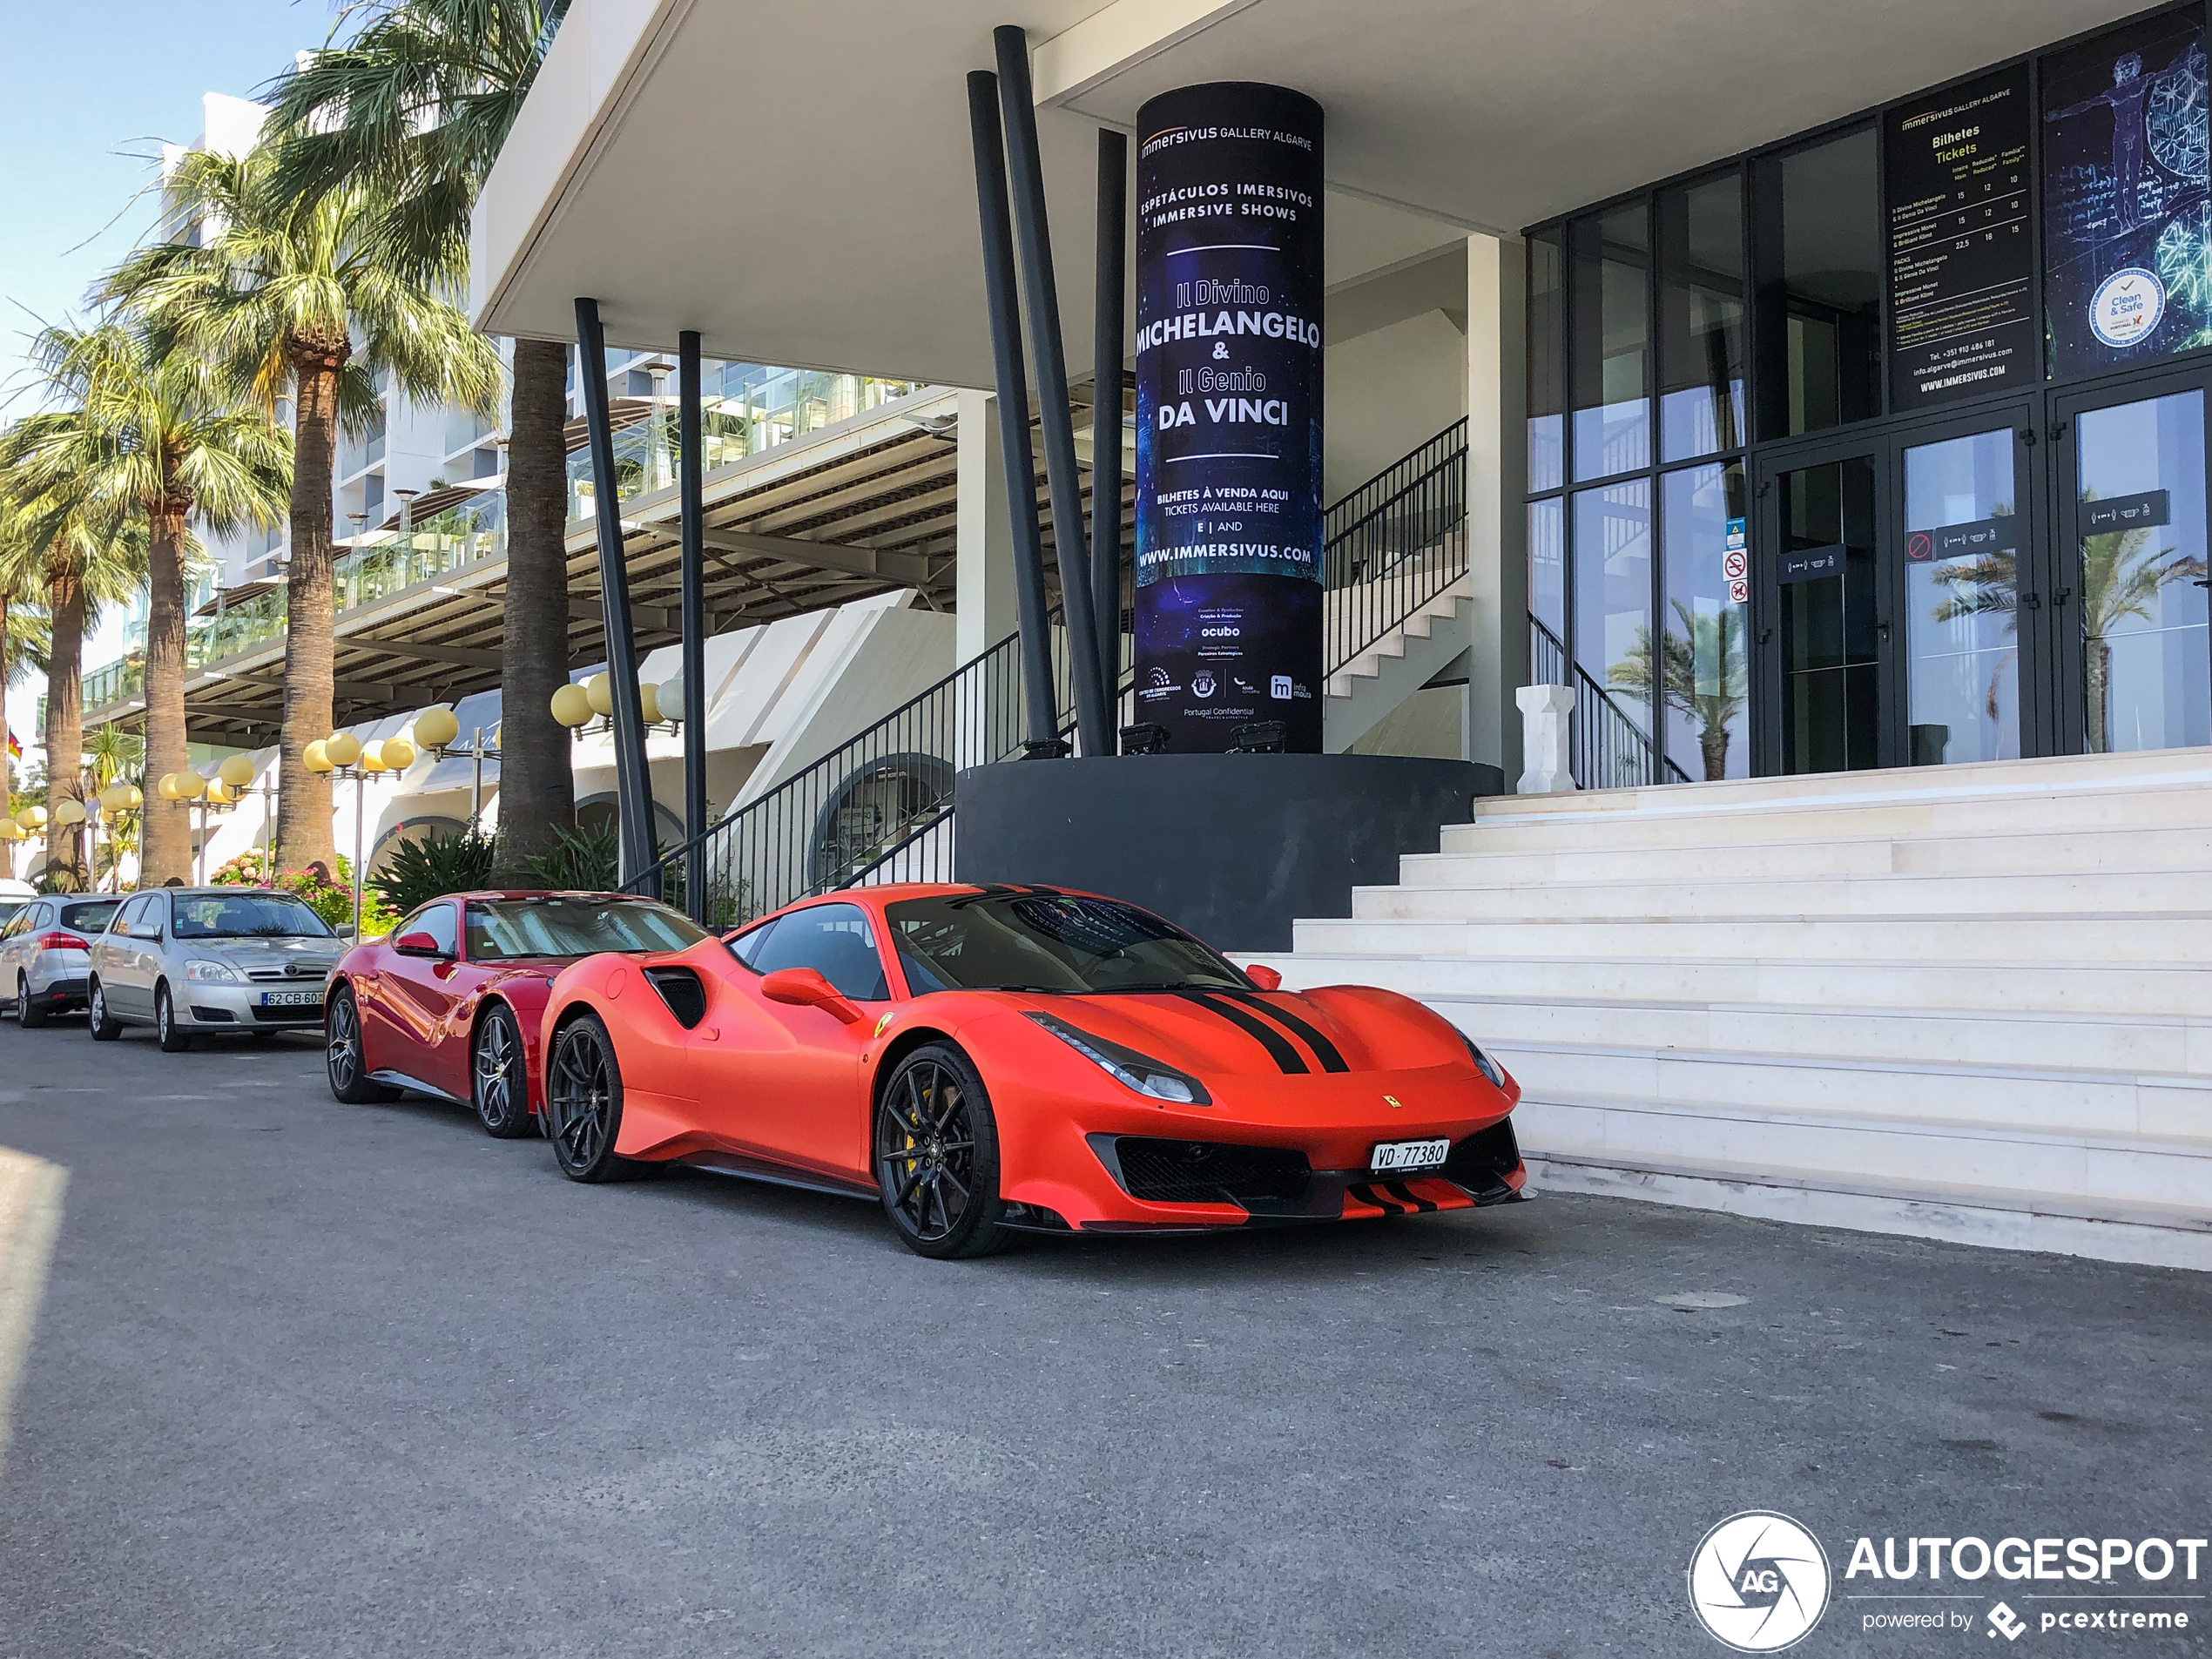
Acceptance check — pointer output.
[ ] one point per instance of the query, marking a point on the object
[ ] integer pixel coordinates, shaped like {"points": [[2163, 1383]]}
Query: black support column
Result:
{"points": [[633, 788], [1106, 409], [1033, 239], [1013, 400], [690, 470]]}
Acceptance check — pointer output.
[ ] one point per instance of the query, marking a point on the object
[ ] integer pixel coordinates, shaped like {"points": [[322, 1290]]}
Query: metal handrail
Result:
{"points": [[881, 804], [1606, 748]]}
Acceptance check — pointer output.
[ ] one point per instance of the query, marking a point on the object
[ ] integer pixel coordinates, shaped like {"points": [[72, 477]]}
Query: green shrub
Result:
{"points": [[580, 860], [417, 872]]}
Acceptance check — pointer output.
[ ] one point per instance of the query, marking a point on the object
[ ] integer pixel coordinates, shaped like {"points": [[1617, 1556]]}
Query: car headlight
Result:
{"points": [[1126, 1066], [219, 973], [1483, 1063]]}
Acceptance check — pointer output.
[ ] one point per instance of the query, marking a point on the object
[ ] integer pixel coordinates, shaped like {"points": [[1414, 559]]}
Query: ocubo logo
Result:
{"points": [[1759, 1582]]}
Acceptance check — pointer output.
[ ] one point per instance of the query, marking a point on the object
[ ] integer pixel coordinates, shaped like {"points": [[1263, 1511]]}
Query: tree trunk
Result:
{"points": [[65, 732], [164, 847], [537, 786], [7, 760], [304, 834]]}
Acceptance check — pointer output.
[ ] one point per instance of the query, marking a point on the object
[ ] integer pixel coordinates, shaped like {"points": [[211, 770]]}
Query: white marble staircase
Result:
{"points": [[1371, 682], [1972, 1003]]}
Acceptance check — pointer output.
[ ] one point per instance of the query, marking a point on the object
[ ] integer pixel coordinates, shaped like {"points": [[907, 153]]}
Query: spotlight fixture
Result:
{"points": [[1260, 737], [1046, 749], [1144, 738]]}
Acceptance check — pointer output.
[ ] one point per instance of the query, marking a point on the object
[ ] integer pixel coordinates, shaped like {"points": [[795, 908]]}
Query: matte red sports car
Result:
{"points": [[985, 1060], [448, 1003]]}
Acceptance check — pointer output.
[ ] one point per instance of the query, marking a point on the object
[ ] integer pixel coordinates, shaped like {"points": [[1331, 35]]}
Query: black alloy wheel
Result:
{"points": [[104, 1026], [936, 1155], [583, 1103], [343, 1056], [29, 1014], [501, 1080], [173, 1038]]}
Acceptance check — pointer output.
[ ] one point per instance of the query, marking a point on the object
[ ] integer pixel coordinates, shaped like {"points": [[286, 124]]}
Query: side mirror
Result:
{"points": [[806, 988], [1263, 976], [418, 944]]}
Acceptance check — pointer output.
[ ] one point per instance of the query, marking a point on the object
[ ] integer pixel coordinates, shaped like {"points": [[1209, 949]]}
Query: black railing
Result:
{"points": [[1606, 748], [1394, 544], [879, 807]]}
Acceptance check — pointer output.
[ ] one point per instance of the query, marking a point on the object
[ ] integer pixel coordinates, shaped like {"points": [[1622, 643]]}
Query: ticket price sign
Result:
{"points": [[1229, 293]]}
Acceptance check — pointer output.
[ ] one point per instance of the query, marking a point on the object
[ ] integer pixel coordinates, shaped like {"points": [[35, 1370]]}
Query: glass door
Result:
{"points": [[1971, 602], [1818, 614], [2130, 592]]}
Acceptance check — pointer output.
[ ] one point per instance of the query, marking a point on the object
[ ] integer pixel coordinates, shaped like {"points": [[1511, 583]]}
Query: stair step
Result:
{"points": [[2046, 1100], [1437, 888], [2091, 774], [2072, 990], [2174, 1176], [2136, 1044], [2034, 940], [2027, 854], [1497, 829]]}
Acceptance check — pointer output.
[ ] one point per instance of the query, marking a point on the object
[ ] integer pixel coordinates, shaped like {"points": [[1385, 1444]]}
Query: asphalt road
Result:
{"points": [[322, 1381]]}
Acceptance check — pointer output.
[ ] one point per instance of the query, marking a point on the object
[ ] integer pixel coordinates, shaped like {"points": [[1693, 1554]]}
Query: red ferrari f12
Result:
{"points": [[988, 1059]]}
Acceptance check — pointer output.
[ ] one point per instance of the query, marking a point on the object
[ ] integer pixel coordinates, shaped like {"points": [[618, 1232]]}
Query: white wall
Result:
{"points": [[1389, 392]]}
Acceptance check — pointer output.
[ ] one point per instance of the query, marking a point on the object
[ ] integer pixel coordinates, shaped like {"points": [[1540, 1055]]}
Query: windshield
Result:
{"points": [[501, 928], [1048, 941], [247, 916]]}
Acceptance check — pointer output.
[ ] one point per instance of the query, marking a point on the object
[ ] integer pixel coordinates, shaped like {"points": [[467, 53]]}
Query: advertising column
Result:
{"points": [[1229, 414]]}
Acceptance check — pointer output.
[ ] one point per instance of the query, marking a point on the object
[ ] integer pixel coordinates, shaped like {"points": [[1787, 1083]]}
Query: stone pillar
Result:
{"points": [[987, 612], [1545, 711], [1497, 521]]}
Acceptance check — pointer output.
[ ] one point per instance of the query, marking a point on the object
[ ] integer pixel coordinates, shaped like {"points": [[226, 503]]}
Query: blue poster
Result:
{"points": [[1229, 293], [2126, 217]]}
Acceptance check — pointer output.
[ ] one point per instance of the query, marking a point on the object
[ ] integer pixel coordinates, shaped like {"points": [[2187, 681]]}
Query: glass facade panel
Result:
{"points": [[1820, 312], [1610, 358], [2147, 661], [1613, 594], [1962, 548], [1547, 348], [1706, 676], [1831, 637], [1702, 314], [1548, 583]]}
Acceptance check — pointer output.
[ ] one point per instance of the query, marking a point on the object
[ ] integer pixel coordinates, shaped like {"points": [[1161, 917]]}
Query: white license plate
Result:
{"points": [[1394, 1158], [290, 999]]}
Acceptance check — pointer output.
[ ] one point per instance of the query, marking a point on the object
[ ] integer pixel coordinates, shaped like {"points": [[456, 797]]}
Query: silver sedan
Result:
{"points": [[188, 961]]}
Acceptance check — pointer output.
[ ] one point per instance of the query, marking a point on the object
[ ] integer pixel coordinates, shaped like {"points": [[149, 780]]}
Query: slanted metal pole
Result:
{"points": [[633, 789], [477, 782], [1033, 237], [1013, 400], [361, 811], [691, 473], [1106, 410]]}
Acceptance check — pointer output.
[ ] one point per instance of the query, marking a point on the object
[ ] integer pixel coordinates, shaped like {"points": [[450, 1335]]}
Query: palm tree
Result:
{"points": [[1703, 674], [85, 558], [302, 299], [164, 434], [416, 106], [113, 755]]}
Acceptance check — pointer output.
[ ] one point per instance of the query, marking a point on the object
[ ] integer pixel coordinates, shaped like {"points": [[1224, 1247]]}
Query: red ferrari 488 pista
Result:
{"points": [[984, 1060]]}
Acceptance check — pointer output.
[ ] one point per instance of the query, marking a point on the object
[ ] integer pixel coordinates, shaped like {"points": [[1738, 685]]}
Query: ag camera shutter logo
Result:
{"points": [[1759, 1582]]}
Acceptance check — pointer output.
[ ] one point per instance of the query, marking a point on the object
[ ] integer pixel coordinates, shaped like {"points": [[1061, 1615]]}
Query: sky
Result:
{"points": [[88, 91]]}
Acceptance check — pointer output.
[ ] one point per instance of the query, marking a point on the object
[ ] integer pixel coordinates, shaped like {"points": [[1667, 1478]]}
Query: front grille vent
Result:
{"points": [[1481, 1163], [1162, 1171]]}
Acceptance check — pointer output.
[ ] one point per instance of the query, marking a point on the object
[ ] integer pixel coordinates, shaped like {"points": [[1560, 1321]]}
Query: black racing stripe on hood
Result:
{"points": [[1332, 1058], [1285, 1057]]}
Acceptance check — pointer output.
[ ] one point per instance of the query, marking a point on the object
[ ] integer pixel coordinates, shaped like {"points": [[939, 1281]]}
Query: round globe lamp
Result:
{"points": [[32, 818], [600, 688], [649, 704], [398, 753], [372, 757], [343, 748], [316, 756], [9, 830], [436, 726], [115, 798], [236, 773], [571, 706], [69, 813], [190, 785]]}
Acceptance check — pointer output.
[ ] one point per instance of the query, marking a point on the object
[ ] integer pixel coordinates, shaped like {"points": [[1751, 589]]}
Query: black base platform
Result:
{"points": [[1233, 848]]}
